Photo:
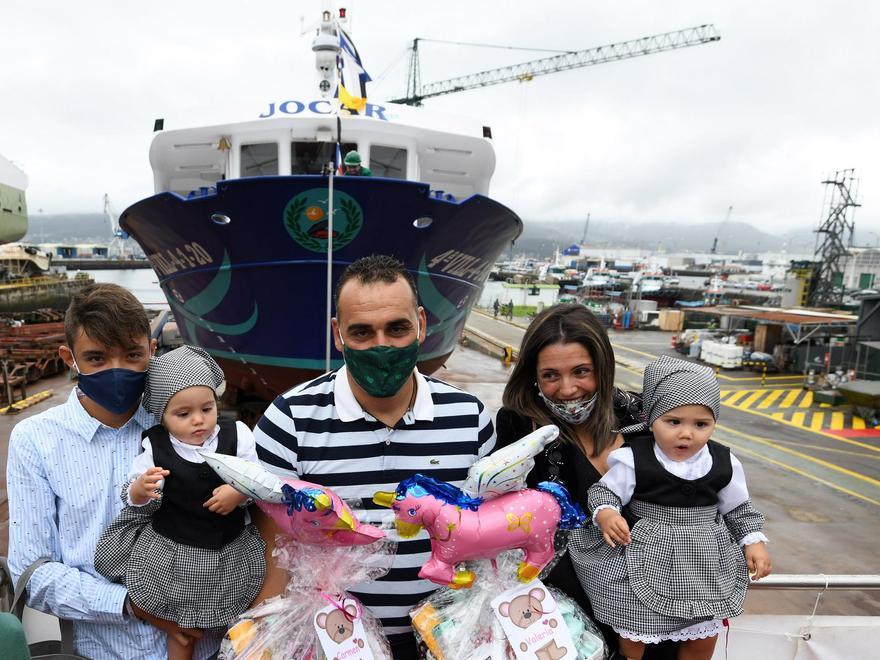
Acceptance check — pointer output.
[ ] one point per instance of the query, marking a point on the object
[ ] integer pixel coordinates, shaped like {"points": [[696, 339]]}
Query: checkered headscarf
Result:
{"points": [[171, 372], [670, 383]]}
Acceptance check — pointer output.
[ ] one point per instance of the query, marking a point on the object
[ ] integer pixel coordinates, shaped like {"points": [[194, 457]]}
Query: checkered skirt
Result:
{"points": [[196, 587], [682, 567]]}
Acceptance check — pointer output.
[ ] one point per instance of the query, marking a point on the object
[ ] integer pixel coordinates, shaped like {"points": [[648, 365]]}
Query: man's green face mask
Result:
{"points": [[381, 370]]}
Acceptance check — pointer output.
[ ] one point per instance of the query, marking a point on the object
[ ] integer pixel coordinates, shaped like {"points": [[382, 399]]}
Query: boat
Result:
{"points": [[238, 228], [13, 205]]}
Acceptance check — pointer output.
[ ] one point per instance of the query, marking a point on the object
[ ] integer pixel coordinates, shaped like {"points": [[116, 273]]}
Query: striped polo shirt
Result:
{"points": [[318, 432]]}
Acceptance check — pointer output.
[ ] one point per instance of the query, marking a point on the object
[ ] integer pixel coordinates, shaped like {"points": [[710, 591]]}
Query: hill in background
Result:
{"points": [[68, 228], [539, 238]]}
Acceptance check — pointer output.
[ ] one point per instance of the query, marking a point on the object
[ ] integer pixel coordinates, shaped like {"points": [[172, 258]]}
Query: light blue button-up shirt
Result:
{"points": [[64, 474]]}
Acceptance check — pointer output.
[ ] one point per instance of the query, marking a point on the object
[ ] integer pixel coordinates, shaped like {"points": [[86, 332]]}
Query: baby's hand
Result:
{"points": [[225, 500], [613, 526], [143, 489], [758, 560]]}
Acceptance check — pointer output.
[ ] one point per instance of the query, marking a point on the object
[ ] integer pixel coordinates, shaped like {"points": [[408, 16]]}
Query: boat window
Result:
{"points": [[388, 161], [310, 157], [259, 159]]}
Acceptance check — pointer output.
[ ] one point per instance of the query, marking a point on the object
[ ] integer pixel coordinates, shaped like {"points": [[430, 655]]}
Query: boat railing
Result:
{"points": [[29, 281]]}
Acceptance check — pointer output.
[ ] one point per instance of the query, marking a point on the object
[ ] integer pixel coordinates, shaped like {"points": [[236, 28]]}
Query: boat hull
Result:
{"points": [[244, 268]]}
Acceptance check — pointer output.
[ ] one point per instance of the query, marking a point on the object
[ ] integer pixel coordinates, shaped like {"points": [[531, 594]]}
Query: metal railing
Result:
{"points": [[818, 582]]}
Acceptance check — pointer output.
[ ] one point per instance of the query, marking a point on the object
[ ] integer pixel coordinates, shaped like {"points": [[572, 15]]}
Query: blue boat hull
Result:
{"points": [[244, 267]]}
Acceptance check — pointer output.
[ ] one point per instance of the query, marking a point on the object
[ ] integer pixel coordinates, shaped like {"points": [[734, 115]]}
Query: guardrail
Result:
{"points": [[818, 582]]}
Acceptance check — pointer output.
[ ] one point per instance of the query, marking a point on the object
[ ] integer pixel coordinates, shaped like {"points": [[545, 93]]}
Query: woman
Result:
{"points": [[565, 376]]}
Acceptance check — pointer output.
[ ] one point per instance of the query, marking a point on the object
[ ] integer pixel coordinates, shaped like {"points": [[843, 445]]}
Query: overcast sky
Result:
{"points": [[790, 94]]}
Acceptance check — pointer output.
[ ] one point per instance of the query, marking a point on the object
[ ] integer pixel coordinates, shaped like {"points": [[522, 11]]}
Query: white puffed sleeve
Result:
{"points": [[620, 478]]}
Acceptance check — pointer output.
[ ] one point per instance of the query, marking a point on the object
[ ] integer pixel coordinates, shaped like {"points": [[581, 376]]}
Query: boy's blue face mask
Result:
{"points": [[117, 390]]}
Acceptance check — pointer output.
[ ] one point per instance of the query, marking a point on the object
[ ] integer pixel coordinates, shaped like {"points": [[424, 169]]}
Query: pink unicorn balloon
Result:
{"points": [[316, 515], [463, 527], [307, 512]]}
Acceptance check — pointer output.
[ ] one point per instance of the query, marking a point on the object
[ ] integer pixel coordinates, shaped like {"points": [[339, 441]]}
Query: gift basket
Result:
{"points": [[463, 624], [489, 541], [315, 618], [326, 550]]}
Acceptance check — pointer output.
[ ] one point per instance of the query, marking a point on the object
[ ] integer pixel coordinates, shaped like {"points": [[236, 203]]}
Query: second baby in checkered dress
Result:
{"points": [[675, 536], [184, 546]]}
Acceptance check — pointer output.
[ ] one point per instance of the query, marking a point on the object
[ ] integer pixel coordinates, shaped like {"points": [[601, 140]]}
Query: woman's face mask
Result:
{"points": [[576, 411]]}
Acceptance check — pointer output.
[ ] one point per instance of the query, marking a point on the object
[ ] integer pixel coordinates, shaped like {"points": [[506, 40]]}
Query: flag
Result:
{"points": [[352, 88]]}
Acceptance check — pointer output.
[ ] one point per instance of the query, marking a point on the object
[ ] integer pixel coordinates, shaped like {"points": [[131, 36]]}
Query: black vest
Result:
{"points": [[656, 485], [182, 518]]}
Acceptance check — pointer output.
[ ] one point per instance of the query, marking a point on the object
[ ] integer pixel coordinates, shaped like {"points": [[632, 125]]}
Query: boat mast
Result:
{"points": [[326, 49]]}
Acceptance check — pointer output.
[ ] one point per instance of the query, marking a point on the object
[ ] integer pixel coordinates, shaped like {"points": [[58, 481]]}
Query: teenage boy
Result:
{"points": [[65, 473]]}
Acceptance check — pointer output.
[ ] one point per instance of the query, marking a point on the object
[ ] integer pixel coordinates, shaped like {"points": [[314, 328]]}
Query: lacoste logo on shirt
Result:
{"points": [[435, 461]]}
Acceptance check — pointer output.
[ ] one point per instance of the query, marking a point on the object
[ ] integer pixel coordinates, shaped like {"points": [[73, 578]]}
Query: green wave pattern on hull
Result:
{"points": [[208, 299], [212, 295], [13, 214]]}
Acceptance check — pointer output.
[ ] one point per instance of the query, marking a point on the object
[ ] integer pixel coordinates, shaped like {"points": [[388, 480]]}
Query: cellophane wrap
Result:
{"points": [[459, 624], [283, 628]]}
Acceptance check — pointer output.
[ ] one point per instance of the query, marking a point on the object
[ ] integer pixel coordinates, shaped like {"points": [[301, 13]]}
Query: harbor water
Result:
{"points": [[142, 282]]}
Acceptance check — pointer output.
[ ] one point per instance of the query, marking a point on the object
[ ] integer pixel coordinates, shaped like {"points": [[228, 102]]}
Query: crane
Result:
{"points": [[658, 43], [721, 229], [120, 236]]}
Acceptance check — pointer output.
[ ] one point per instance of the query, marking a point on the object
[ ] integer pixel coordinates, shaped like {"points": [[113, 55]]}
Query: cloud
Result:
{"points": [[756, 120]]}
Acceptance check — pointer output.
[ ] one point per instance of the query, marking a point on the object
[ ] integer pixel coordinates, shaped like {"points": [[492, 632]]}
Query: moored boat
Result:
{"points": [[239, 228], [13, 206]]}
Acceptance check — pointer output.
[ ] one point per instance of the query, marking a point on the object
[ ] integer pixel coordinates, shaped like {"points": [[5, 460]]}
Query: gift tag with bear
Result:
{"points": [[340, 630], [533, 623]]}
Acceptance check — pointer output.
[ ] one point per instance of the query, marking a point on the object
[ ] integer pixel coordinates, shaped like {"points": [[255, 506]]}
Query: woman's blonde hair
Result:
{"points": [[565, 324]]}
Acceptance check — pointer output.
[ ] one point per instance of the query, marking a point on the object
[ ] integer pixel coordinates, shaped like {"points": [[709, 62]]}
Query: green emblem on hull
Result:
{"points": [[306, 218]]}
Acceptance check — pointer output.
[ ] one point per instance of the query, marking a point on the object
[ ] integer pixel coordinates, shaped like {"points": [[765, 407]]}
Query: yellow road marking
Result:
{"points": [[769, 399], [778, 416], [634, 350], [797, 420], [816, 421], [749, 400], [860, 454], [806, 400], [790, 398], [791, 468], [837, 420], [819, 461], [736, 396]]}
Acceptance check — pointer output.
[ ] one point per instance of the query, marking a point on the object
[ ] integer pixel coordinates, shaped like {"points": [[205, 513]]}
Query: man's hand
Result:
{"points": [[143, 489], [225, 500], [613, 526], [184, 636], [758, 560]]}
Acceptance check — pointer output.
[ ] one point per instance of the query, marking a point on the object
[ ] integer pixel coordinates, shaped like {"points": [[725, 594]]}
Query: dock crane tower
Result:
{"points": [[721, 229], [833, 238], [525, 71], [120, 236]]}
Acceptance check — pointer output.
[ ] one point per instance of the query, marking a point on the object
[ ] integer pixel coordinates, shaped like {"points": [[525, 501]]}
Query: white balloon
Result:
{"points": [[505, 470], [246, 477]]}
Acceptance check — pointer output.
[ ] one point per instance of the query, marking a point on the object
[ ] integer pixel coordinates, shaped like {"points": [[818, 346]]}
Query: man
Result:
{"points": [[376, 421], [65, 473], [353, 167]]}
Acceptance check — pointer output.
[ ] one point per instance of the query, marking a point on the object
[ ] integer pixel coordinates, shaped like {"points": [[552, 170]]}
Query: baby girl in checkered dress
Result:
{"points": [[676, 537], [184, 546]]}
